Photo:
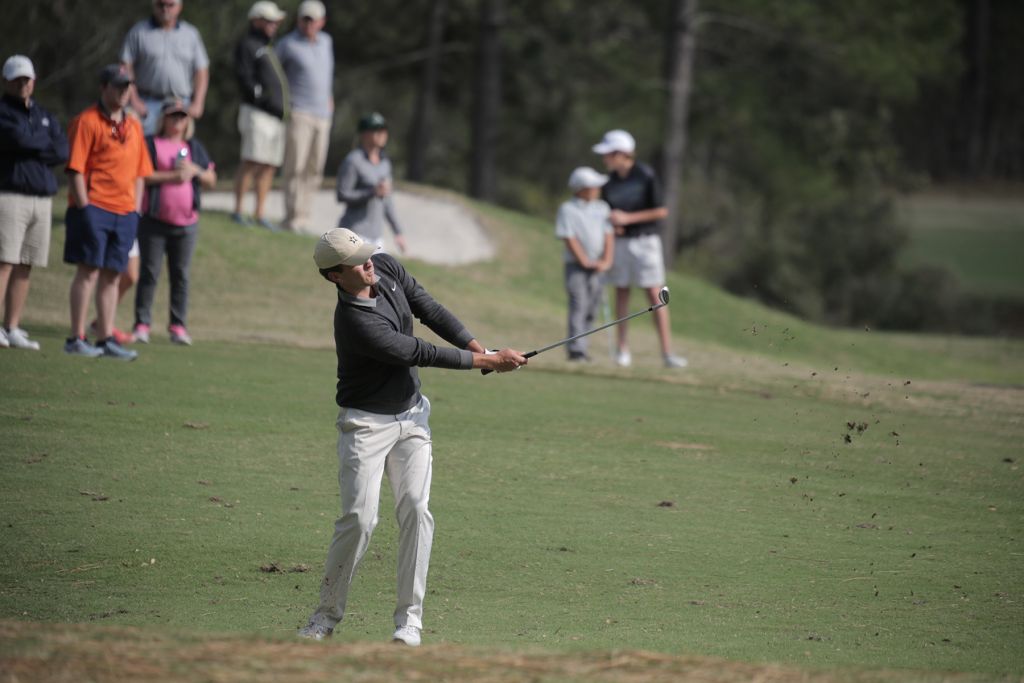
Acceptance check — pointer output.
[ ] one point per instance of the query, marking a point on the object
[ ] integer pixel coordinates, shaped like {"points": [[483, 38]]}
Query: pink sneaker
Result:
{"points": [[141, 333], [179, 335], [119, 336]]}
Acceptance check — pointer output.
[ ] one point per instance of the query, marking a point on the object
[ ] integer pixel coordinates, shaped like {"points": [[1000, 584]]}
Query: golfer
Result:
{"points": [[383, 422]]}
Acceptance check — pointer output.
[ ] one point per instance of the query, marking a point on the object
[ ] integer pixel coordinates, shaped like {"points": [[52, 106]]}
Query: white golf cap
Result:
{"points": [[615, 141], [18, 66], [585, 177], [341, 247], [314, 9], [266, 9]]}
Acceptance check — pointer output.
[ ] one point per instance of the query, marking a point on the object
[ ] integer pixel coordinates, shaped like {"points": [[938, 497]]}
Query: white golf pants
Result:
{"points": [[368, 445]]}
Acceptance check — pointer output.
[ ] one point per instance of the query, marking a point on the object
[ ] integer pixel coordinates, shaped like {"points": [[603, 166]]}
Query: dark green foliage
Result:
{"points": [[803, 118]]}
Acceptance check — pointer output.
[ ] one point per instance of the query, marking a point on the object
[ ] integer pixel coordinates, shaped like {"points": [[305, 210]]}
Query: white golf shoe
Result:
{"points": [[410, 635], [623, 358], [675, 361]]}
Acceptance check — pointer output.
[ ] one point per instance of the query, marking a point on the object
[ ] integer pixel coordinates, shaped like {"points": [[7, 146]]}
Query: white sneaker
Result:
{"points": [[675, 361], [18, 339], [410, 635], [624, 358], [3, 339]]}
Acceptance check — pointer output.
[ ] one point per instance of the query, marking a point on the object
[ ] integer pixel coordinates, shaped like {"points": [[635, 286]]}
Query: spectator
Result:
{"points": [[106, 168], [307, 55], [634, 195], [31, 141], [364, 184], [166, 57], [170, 217], [262, 111], [383, 423], [583, 223]]}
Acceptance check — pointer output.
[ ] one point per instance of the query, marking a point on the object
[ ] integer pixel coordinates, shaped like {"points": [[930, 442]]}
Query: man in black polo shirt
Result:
{"points": [[383, 421], [634, 194]]}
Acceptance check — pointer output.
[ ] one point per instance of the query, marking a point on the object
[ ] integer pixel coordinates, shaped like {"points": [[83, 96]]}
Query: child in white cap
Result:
{"points": [[583, 224]]}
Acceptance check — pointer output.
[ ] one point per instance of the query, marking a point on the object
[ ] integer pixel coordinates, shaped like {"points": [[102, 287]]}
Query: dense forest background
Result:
{"points": [[782, 128]]}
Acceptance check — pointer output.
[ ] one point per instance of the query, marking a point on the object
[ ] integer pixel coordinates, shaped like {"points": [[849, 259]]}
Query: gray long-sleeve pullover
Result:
{"points": [[378, 355], [365, 212]]}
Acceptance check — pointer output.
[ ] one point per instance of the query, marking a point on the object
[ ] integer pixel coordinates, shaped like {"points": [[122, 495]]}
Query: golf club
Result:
{"points": [[662, 301]]}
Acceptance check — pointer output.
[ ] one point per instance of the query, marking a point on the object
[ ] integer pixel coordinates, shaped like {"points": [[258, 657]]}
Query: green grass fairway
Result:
{"points": [[981, 240], [801, 504]]}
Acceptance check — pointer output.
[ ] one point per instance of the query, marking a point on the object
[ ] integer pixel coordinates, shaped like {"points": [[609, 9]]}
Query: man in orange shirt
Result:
{"points": [[107, 164]]}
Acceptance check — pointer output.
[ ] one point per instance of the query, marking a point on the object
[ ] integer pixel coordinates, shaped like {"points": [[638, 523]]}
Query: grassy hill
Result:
{"points": [[801, 504]]}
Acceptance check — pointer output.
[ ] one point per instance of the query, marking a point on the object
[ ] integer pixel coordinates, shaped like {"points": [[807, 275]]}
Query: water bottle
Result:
{"points": [[182, 155]]}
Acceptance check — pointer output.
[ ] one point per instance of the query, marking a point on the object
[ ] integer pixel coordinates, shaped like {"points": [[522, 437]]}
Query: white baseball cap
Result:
{"points": [[586, 177], [18, 66], [266, 9], [341, 247], [615, 141], [314, 9]]}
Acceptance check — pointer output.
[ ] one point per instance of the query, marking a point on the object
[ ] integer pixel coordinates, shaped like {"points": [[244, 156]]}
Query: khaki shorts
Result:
{"points": [[638, 262], [25, 223], [263, 136]]}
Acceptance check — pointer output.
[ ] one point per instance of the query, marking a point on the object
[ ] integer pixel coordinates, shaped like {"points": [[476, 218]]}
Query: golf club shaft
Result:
{"points": [[596, 329], [533, 353]]}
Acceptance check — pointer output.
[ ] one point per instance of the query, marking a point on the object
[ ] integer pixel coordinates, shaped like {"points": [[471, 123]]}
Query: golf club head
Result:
{"points": [[663, 296]]}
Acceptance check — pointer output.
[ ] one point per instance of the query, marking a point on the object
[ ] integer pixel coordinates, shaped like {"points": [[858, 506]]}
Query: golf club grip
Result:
{"points": [[531, 354]]}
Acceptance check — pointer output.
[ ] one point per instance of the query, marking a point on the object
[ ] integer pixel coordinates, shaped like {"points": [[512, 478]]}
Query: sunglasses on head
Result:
{"points": [[119, 130]]}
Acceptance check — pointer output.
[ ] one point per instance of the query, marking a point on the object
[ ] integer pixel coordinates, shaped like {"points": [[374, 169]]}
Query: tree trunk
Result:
{"points": [[977, 91], [487, 101], [682, 44], [426, 94]]}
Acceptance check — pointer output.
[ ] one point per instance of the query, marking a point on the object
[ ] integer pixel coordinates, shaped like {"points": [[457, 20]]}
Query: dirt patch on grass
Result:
{"points": [[682, 446], [72, 652]]}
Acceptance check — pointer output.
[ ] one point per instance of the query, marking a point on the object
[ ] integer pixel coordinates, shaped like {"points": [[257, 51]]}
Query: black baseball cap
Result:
{"points": [[373, 121], [115, 74]]}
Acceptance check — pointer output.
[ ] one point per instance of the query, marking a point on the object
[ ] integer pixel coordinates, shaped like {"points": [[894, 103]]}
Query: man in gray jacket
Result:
{"points": [[383, 419]]}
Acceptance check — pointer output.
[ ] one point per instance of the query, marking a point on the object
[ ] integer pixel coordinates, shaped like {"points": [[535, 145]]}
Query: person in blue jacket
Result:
{"points": [[31, 141]]}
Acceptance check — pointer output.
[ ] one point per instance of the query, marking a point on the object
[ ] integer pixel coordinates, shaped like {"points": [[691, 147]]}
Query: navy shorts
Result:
{"points": [[99, 238]]}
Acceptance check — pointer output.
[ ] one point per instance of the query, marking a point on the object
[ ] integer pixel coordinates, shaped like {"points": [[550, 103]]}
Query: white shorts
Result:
{"points": [[638, 262], [25, 222], [263, 136]]}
